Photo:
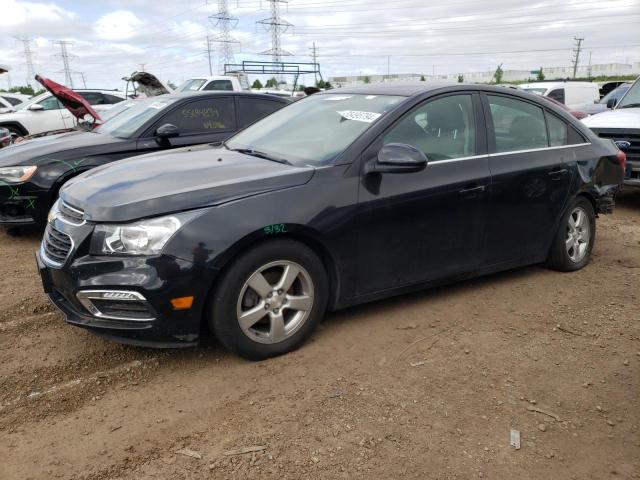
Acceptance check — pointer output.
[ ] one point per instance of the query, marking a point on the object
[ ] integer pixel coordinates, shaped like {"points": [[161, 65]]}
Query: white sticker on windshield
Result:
{"points": [[158, 105], [370, 97], [335, 98], [358, 116]]}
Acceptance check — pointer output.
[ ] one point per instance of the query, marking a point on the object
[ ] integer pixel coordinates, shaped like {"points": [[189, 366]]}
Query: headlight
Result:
{"points": [[17, 174], [146, 237]]}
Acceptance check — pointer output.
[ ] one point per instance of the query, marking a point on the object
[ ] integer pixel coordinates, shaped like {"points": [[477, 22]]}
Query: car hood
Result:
{"points": [[25, 152], [148, 84], [622, 118], [73, 102], [169, 182]]}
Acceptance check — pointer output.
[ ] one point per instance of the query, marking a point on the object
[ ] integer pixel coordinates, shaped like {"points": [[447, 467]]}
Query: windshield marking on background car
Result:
{"points": [[359, 116]]}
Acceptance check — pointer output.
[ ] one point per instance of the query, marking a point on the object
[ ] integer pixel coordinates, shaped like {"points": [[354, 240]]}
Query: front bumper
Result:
{"points": [[157, 279], [22, 205]]}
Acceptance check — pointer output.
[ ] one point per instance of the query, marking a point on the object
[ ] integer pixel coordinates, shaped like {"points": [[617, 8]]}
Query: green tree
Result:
{"points": [[460, 78], [301, 88], [367, 79], [272, 83], [422, 79], [257, 84], [25, 90], [497, 76], [540, 76]]}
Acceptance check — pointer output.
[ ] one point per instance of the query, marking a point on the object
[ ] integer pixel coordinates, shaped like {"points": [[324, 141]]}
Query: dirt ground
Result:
{"points": [[425, 386]]}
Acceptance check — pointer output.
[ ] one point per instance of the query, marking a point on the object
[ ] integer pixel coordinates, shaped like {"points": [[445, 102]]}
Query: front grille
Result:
{"points": [[56, 245], [70, 214], [633, 137]]}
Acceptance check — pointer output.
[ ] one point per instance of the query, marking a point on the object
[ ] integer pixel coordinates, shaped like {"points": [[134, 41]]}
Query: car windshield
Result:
{"points": [[632, 97], [192, 85], [539, 91], [314, 130], [133, 115], [615, 93]]}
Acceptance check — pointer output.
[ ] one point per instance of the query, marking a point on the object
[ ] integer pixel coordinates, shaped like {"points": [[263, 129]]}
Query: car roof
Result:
{"points": [[222, 93], [411, 89]]}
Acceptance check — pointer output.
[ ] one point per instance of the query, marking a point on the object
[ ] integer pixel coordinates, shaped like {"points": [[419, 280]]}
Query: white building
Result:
{"points": [[608, 69]]}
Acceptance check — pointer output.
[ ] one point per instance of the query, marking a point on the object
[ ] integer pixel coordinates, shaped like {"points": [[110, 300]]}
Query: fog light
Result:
{"points": [[182, 303]]}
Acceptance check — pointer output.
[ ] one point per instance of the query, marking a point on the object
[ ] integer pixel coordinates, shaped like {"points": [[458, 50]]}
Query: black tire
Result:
{"points": [[559, 257], [225, 298]]}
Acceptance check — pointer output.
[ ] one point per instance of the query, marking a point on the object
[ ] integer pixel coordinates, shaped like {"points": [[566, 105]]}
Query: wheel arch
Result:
{"points": [[300, 233], [16, 125]]}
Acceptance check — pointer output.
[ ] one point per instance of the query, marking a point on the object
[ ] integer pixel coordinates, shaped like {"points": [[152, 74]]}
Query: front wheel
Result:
{"points": [[269, 300], [572, 245]]}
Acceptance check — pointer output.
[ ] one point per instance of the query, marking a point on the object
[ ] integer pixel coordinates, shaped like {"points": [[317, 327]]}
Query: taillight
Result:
{"points": [[622, 160]]}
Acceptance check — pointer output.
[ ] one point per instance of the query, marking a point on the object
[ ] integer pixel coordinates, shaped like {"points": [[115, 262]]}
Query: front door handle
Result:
{"points": [[472, 190], [556, 172]]}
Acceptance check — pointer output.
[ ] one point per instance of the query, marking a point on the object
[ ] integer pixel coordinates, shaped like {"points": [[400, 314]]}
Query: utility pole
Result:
{"points": [[314, 56], [277, 26], [576, 54], [83, 80], [28, 56], [225, 23], [209, 39], [142, 65], [64, 54], [589, 69], [388, 66]]}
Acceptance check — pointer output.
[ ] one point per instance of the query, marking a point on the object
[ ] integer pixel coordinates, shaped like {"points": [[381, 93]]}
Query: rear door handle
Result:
{"points": [[472, 190]]}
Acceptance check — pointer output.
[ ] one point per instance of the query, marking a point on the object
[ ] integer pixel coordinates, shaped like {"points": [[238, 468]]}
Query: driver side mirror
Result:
{"points": [[36, 107], [165, 132], [612, 102], [398, 158]]}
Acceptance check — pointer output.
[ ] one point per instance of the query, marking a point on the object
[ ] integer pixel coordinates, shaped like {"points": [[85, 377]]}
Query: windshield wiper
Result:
{"points": [[630, 105], [259, 154]]}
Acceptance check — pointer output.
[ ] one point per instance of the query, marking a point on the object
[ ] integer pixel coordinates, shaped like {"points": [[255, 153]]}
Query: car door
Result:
{"points": [[53, 116], [530, 180], [203, 120], [426, 225]]}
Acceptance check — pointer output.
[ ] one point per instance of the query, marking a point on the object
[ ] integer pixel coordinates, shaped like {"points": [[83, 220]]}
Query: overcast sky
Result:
{"points": [[111, 38]]}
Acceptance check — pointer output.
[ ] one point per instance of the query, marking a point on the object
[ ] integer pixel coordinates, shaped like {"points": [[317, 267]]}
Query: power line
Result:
{"points": [[225, 23], [576, 54]]}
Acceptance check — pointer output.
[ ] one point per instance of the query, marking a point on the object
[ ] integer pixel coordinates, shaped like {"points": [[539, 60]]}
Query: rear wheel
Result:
{"points": [[572, 245], [269, 301]]}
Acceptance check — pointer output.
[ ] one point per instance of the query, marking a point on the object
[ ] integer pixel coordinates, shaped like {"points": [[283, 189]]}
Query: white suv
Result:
{"points": [[45, 113]]}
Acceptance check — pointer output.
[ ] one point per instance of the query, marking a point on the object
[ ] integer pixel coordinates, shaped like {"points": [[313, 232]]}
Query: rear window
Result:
{"points": [[12, 101], [557, 94], [219, 85]]}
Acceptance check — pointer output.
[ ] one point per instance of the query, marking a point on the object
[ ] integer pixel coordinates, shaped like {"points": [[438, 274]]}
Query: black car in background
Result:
{"points": [[340, 198], [32, 172]]}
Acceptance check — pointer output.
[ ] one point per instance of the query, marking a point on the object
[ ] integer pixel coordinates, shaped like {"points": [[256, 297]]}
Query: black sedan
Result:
{"points": [[341, 198], [32, 172]]}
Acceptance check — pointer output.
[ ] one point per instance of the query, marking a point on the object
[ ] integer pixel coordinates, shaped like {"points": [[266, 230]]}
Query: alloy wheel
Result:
{"points": [[275, 302], [578, 235]]}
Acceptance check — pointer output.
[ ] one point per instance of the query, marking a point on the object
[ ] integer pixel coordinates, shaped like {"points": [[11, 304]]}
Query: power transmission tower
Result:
{"points": [[576, 54], [84, 82], [28, 56], [64, 54], [225, 23], [277, 26], [314, 56]]}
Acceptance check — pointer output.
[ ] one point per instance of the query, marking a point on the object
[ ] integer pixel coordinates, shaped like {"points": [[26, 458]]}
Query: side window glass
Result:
{"points": [[51, 103], [94, 98], [557, 131], [219, 85], [12, 101], [251, 110], [557, 94], [442, 128], [517, 125], [111, 99], [203, 116]]}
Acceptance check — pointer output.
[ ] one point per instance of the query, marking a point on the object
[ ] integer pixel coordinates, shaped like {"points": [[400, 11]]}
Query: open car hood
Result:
{"points": [[72, 101], [148, 84]]}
